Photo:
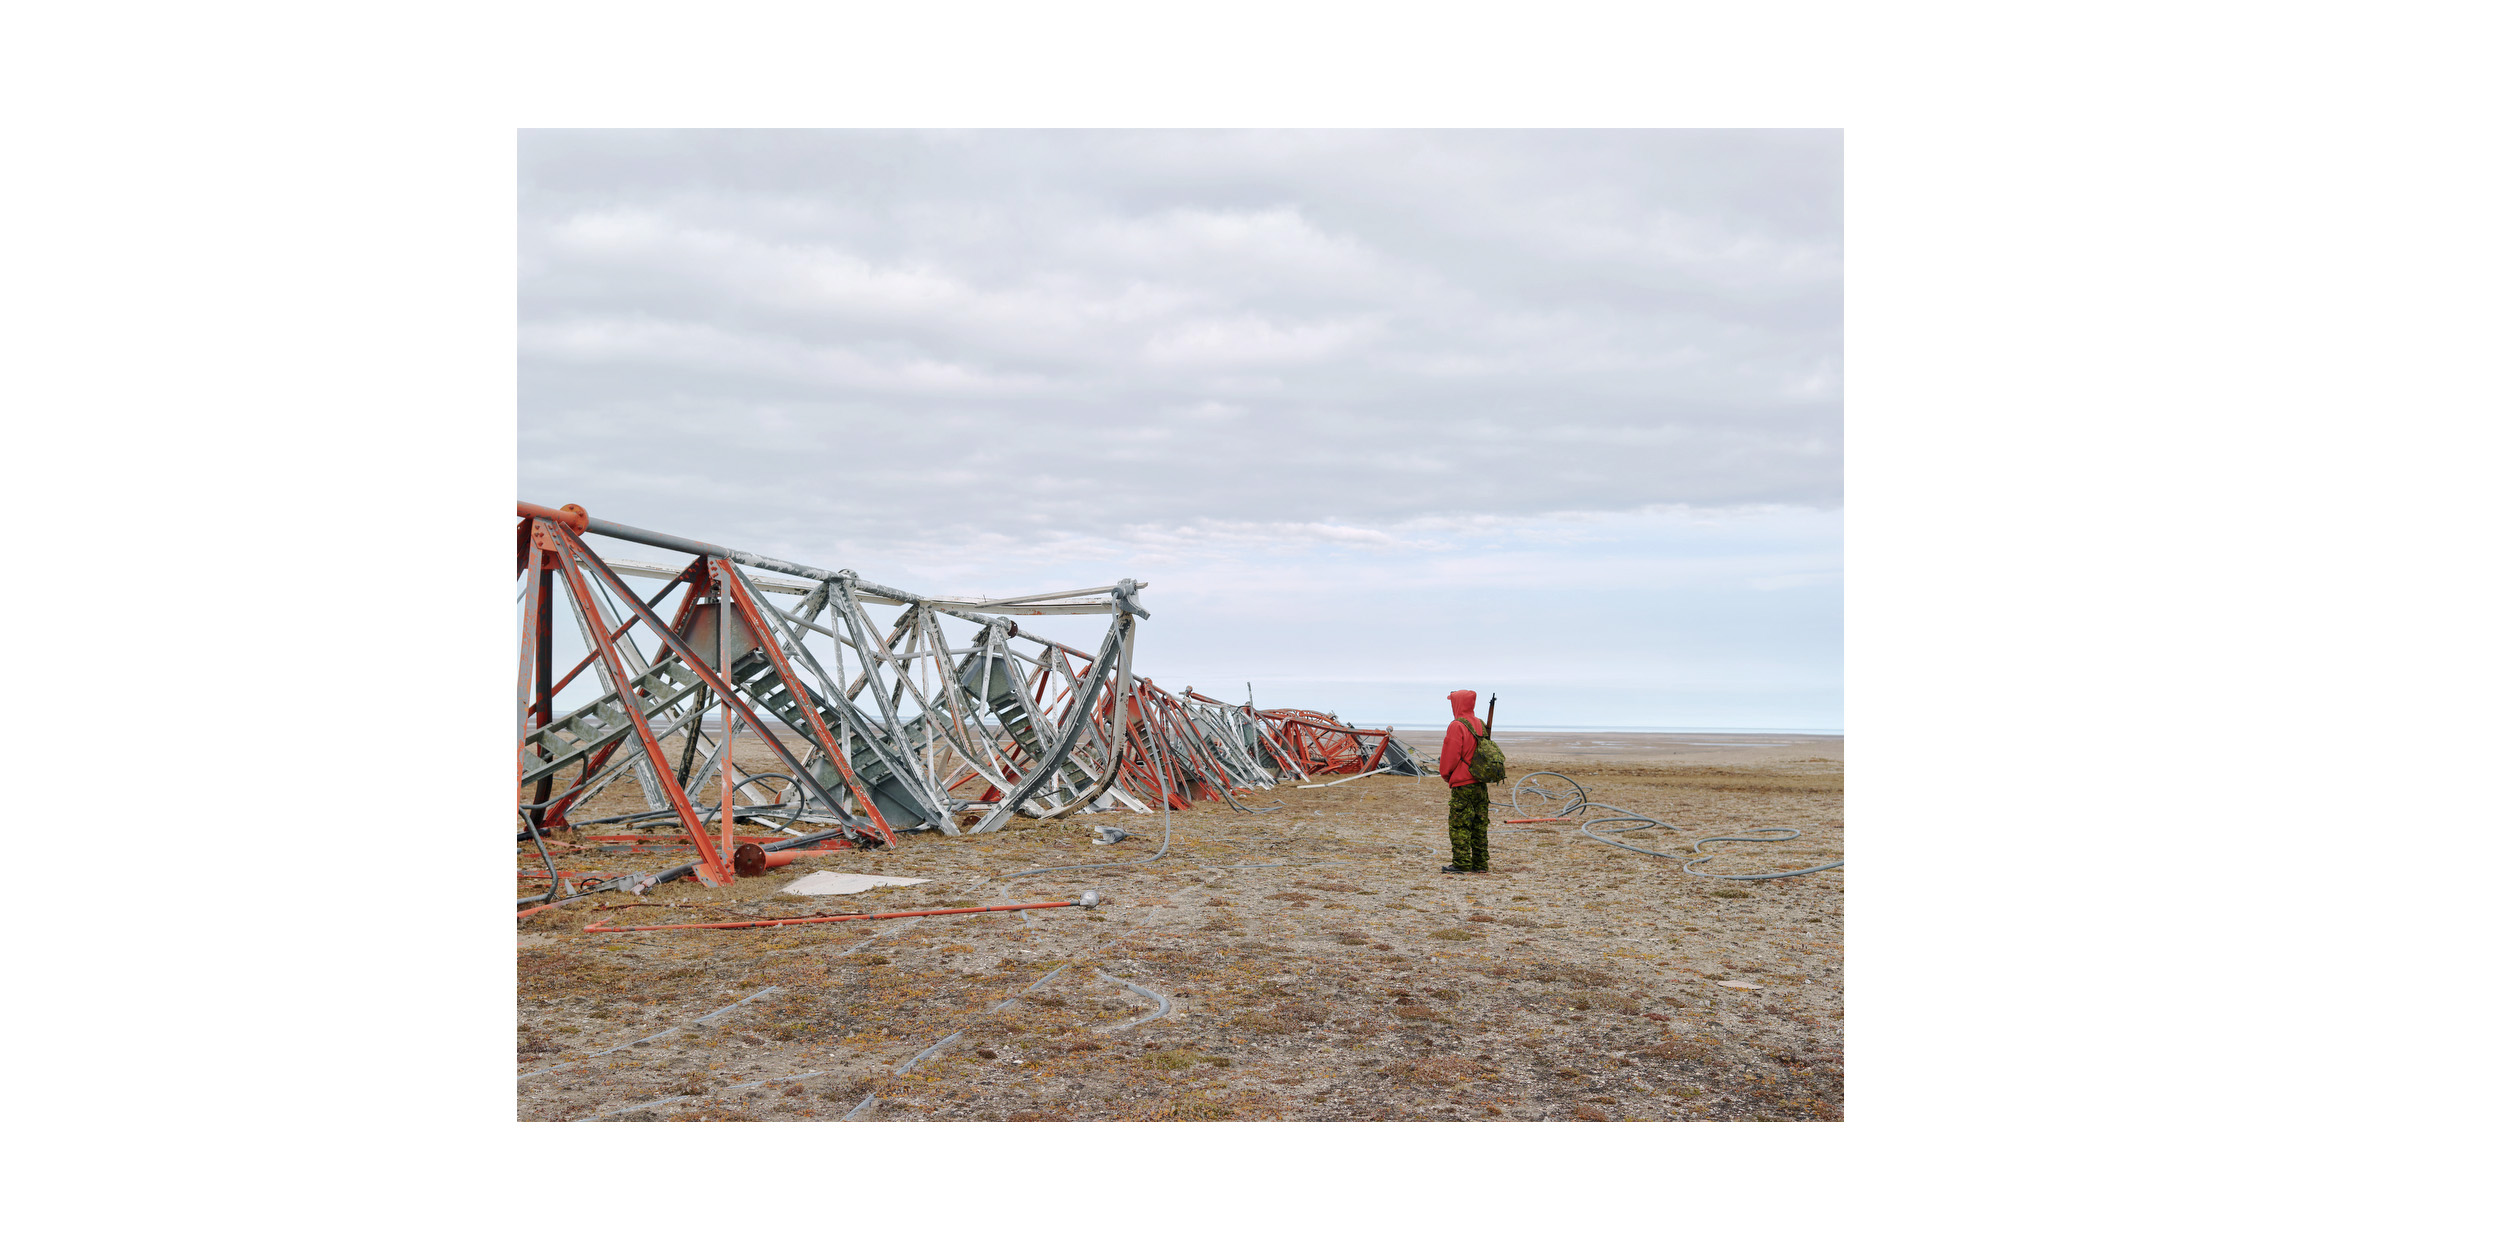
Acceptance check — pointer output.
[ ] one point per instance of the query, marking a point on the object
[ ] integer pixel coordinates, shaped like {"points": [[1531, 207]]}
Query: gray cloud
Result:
{"points": [[775, 338]]}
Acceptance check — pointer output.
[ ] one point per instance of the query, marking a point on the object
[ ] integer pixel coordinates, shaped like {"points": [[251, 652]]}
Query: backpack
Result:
{"points": [[1487, 765]]}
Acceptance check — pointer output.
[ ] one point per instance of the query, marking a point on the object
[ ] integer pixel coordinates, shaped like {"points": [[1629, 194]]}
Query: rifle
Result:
{"points": [[1490, 704]]}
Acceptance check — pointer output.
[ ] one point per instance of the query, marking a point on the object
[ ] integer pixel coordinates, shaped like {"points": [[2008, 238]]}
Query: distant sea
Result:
{"points": [[1499, 725]]}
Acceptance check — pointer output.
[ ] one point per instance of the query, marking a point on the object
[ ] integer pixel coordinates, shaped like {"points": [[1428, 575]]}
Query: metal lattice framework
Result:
{"points": [[871, 729]]}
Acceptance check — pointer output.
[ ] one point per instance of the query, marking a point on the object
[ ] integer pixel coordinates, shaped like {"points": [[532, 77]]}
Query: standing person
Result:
{"points": [[1468, 760]]}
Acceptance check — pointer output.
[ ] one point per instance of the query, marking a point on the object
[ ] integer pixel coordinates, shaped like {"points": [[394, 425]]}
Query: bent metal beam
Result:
{"points": [[871, 729]]}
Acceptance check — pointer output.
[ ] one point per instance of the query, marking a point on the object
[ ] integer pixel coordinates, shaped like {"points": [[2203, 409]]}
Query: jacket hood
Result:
{"points": [[1462, 703]]}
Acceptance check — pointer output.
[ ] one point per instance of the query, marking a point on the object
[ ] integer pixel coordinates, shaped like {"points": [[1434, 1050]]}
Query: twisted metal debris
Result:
{"points": [[875, 730]]}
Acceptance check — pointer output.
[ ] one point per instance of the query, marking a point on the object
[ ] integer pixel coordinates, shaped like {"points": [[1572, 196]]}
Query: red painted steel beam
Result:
{"points": [[621, 631], [675, 641], [714, 870], [752, 860], [882, 915], [830, 745], [570, 516]]}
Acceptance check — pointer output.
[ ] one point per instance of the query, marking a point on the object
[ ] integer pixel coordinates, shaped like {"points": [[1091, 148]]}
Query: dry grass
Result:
{"points": [[1356, 983]]}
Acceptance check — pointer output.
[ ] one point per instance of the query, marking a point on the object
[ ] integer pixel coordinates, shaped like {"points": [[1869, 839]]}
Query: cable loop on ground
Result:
{"points": [[1557, 796]]}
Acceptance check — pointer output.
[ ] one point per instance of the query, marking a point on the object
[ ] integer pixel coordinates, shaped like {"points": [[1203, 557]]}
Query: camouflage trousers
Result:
{"points": [[1470, 817]]}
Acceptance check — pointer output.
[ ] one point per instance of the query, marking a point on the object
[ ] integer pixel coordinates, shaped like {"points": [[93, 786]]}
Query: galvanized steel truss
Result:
{"points": [[879, 731]]}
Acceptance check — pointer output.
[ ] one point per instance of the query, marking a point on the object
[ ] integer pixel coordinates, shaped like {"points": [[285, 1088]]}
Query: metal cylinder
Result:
{"points": [[752, 860]]}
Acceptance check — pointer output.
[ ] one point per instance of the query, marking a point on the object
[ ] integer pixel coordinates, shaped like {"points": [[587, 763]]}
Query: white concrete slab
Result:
{"points": [[845, 883]]}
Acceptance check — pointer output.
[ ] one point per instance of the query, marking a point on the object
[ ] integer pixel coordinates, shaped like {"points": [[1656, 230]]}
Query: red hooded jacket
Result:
{"points": [[1458, 742]]}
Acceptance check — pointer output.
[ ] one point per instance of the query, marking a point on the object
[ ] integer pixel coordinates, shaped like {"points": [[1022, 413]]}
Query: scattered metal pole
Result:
{"points": [[791, 920]]}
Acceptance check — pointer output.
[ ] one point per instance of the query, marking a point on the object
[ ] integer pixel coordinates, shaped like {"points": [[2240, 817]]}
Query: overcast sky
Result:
{"points": [[1553, 413]]}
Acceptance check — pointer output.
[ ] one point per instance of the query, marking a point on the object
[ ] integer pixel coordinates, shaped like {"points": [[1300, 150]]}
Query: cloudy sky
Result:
{"points": [[1378, 414]]}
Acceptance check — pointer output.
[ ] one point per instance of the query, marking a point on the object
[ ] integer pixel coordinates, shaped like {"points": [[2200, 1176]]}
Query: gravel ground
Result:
{"points": [[1308, 963]]}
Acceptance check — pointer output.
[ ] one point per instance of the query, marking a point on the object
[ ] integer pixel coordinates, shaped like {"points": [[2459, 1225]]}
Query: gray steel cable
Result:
{"points": [[870, 1102], [1633, 822], [555, 880], [1163, 1005], [1247, 811], [914, 1061], [716, 1013], [705, 1018], [662, 1102], [1160, 775]]}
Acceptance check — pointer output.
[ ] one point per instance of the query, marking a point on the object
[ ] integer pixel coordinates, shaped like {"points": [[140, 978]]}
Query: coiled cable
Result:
{"points": [[1550, 793]]}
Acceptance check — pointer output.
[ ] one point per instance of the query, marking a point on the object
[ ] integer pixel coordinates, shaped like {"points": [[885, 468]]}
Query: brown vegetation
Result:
{"points": [[1576, 982]]}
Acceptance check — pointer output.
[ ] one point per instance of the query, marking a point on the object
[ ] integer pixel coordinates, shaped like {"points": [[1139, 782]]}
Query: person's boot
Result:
{"points": [[1453, 868]]}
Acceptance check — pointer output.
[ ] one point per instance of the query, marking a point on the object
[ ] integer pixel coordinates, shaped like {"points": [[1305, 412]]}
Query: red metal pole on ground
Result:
{"points": [[882, 915], [752, 860]]}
